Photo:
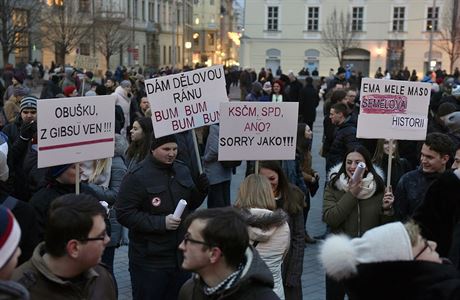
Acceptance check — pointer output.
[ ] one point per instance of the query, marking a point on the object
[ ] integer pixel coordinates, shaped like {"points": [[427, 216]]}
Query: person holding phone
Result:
{"points": [[353, 207]]}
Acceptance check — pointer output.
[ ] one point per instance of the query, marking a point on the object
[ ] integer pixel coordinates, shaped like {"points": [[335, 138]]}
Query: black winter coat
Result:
{"points": [[345, 138], [255, 283], [309, 100], [147, 195], [404, 280], [439, 215]]}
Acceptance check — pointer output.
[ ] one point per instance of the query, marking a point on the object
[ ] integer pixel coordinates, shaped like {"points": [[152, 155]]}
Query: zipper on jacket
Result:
{"points": [[359, 221]]}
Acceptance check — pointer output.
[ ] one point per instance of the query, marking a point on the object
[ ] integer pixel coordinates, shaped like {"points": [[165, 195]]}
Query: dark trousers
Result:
{"points": [[107, 259], [159, 284], [293, 292], [334, 289], [219, 194]]}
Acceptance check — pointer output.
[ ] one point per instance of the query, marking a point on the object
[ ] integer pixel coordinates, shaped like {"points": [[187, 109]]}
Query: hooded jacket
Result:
{"points": [[270, 235], [344, 138], [345, 213], [255, 283], [125, 103], [43, 284]]}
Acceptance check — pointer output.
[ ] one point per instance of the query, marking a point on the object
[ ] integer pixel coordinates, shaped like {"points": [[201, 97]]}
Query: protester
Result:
{"points": [[411, 189], [392, 261], [67, 264], [399, 166], [439, 213], [17, 81], [291, 199], [219, 175], [278, 91], [20, 134], [147, 199], [216, 247], [123, 98], [353, 207], [141, 137], [70, 91], [268, 229], [309, 100]]}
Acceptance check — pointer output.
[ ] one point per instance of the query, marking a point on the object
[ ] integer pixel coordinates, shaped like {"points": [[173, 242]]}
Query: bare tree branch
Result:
{"points": [[111, 36], [337, 35], [449, 34]]}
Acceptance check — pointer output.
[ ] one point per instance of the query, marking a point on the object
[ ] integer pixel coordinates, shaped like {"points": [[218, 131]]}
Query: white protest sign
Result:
{"points": [[393, 109], [258, 130], [75, 129], [86, 62], [187, 100]]}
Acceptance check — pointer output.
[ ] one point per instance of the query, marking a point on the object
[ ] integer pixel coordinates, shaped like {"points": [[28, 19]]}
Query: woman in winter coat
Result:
{"points": [[291, 199], [392, 261], [141, 136], [267, 226], [399, 165], [123, 97], [105, 179], [278, 91], [354, 206]]}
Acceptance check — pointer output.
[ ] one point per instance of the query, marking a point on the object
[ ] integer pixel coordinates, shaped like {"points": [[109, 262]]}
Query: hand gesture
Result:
{"points": [[171, 222], [354, 186]]}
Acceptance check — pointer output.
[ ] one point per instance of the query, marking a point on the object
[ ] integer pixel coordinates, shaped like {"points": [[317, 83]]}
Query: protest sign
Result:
{"points": [[86, 62], [258, 130], [187, 100], [393, 109], [75, 129]]}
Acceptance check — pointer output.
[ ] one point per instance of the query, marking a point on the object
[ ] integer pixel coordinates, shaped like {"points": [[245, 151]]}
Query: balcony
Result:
{"points": [[112, 16]]}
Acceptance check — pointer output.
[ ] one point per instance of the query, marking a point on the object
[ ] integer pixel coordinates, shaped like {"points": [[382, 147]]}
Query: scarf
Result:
{"points": [[368, 185], [225, 284]]}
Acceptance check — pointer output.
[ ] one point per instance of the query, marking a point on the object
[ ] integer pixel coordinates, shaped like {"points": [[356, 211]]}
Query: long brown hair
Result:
{"points": [[284, 188], [380, 154]]}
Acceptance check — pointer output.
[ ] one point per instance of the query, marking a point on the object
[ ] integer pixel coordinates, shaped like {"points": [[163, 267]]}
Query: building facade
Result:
{"points": [[390, 34]]}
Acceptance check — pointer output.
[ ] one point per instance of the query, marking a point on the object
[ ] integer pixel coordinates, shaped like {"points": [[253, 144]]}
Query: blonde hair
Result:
{"points": [[413, 230], [99, 166], [255, 192]]}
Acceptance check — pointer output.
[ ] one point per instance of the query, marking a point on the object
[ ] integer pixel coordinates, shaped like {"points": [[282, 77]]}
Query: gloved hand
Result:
{"points": [[28, 130], [203, 183]]}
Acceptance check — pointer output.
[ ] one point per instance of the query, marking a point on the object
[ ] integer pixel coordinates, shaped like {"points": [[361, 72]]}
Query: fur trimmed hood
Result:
{"points": [[335, 169], [262, 223]]}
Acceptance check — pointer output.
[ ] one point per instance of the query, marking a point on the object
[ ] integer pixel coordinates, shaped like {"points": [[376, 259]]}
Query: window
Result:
{"points": [[432, 19], [143, 10], [169, 54], [211, 39], [357, 19], [164, 55], [84, 49], [151, 11], [135, 9], [272, 18], [129, 8], [398, 18], [83, 6], [313, 19]]}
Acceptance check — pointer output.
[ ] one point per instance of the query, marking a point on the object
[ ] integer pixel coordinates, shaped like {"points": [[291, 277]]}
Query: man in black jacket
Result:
{"points": [[216, 247], [344, 137], [147, 199]]}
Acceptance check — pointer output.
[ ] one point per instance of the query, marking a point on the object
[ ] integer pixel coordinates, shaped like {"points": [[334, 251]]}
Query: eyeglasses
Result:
{"points": [[427, 245], [187, 239], [98, 238]]}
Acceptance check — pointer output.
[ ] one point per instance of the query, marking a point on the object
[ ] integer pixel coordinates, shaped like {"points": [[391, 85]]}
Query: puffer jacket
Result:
{"points": [[147, 195], [270, 235], [345, 213]]}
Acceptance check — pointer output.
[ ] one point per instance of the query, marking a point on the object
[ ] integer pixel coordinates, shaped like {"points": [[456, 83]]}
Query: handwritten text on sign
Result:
{"points": [[257, 130], [75, 129], [187, 100], [393, 109]]}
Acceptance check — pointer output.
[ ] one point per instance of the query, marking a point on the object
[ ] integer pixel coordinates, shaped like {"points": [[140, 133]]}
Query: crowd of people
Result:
{"points": [[57, 244]]}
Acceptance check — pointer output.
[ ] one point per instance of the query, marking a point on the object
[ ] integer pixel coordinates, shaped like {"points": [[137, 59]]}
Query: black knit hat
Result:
{"points": [[157, 142]]}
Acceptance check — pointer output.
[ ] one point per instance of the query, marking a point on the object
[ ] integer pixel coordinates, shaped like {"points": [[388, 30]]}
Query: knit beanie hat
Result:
{"points": [[69, 90], [19, 76], [125, 84], [56, 171], [20, 91], [456, 91], [341, 255], [157, 142], [452, 121], [10, 234], [445, 109], [29, 102]]}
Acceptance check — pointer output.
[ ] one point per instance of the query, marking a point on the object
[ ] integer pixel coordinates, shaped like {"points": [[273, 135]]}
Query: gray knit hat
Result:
{"points": [[29, 102]]}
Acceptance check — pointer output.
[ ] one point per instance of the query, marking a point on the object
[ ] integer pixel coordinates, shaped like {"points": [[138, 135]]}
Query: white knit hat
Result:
{"points": [[10, 234], [452, 121], [341, 255]]}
